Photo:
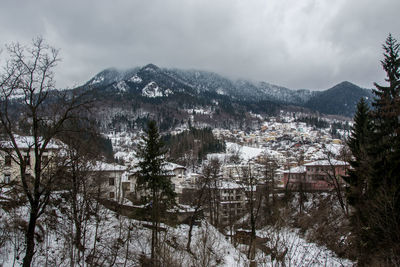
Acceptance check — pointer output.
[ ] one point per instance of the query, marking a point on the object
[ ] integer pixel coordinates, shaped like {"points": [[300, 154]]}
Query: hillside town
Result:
{"points": [[290, 145]]}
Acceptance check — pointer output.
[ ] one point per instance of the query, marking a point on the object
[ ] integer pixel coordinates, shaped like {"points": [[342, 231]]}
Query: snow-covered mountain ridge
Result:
{"points": [[203, 81], [167, 93]]}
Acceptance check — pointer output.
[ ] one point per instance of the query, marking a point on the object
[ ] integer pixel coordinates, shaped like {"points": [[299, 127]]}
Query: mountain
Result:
{"points": [[111, 75], [341, 99], [174, 97], [194, 81]]}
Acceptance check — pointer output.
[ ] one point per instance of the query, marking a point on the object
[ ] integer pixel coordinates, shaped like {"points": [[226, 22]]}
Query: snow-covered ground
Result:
{"points": [[245, 152], [115, 240], [111, 240], [295, 250]]}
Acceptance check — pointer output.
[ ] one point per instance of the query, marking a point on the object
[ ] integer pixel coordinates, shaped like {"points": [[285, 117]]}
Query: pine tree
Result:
{"points": [[375, 177], [384, 188], [152, 177], [358, 143], [359, 173], [386, 116]]}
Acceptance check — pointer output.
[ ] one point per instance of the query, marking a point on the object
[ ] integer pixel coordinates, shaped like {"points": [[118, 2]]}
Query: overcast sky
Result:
{"points": [[312, 44]]}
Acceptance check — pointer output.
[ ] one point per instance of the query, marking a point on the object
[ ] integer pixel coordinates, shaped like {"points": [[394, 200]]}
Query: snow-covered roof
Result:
{"points": [[331, 162], [169, 166], [103, 166], [228, 185], [299, 169], [25, 142]]}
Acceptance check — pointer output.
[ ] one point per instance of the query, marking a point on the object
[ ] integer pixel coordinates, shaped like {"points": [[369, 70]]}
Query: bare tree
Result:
{"points": [[270, 166], [336, 181], [30, 104], [83, 188], [302, 184], [213, 195], [254, 200], [210, 171], [288, 187]]}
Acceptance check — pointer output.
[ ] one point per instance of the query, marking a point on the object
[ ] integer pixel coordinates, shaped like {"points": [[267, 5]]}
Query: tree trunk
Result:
{"points": [[192, 220], [127, 244], [154, 230], [30, 237], [252, 248]]}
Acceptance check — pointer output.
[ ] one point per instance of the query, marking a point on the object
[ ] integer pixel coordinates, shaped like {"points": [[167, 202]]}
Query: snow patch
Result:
{"points": [[97, 80], [152, 90], [135, 79], [198, 111], [245, 152], [121, 86], [220, 91], [150, 69], [168, 92]]}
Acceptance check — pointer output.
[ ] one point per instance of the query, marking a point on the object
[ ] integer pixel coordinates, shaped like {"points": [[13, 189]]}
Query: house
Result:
{"points": [[317, 175], [113, 181], [9, 162], [225, 201], [293, 177], [175, 172], [113, 178], [240, 171], [229, 202]]}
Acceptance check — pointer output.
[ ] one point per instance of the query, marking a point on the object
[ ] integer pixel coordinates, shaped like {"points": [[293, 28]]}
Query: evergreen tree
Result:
{"points": [[358, 143], [358, 176], [384, 187], [386, 117], [375, 177], [152, 178]]}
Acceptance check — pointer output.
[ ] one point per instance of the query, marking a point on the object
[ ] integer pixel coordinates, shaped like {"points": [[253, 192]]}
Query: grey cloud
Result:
{"points": [[298, 44]]}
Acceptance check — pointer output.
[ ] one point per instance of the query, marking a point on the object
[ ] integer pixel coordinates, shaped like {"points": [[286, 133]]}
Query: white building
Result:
{"points": [[114, 179], [10, 163]]}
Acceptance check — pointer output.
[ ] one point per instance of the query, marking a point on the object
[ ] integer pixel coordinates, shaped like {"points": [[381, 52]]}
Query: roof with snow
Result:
{"points": [[228, 185], [299, 169], [169, 166], [103, 166], [330, 162], [27, 142]]}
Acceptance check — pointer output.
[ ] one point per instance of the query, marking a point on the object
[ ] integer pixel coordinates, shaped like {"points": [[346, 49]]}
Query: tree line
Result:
{"points": [[374, 179], [192, 146]]}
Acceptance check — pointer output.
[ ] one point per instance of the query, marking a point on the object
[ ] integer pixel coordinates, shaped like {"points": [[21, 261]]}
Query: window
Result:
{"points": [[112, 194], [45, 159], [7, 178], [27, 160], [111, 181], [7, 161]]}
